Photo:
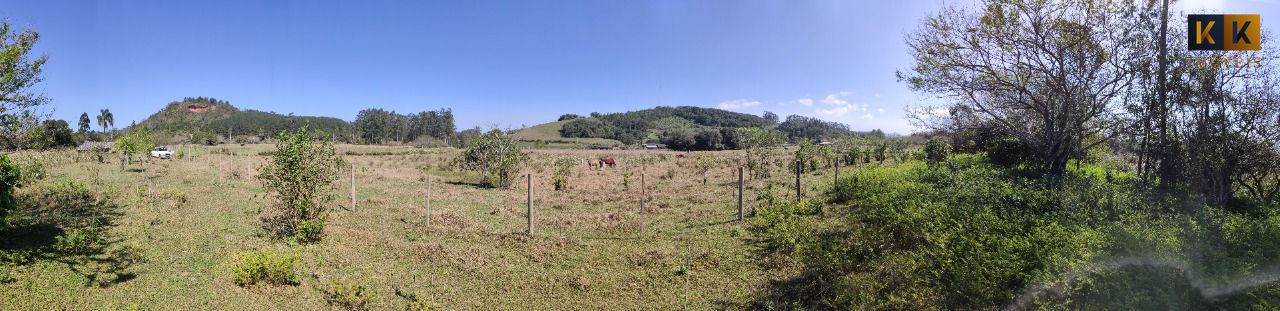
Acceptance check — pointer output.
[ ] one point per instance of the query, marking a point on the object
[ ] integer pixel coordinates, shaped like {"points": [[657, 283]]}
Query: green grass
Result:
{"points": [[189, 219]]}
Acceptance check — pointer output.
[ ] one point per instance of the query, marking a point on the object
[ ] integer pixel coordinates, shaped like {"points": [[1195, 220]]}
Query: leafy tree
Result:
{"points": [[299, 178], [496, 156], [568, 116], [758, 144], [771, 117], [1050, 72], [137, 141], [731, 138], [19, 73], [84, 123], [680, 140], [806, 128], [811, 155], [703, 162], [709, 139], [51, 134]]}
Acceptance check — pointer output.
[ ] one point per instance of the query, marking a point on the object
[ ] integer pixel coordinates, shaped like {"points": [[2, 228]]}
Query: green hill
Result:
{"points": [[646, 125], [202, 119], [549, 134]]}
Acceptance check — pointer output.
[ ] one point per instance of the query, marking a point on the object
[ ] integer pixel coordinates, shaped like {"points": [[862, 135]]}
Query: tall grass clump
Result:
{"points": [[299, 178], [269, 266]]}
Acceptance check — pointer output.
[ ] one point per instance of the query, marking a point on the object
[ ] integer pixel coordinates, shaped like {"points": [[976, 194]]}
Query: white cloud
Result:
{"points": [[836, 99], [834, 112], [880, 110], [839, 105], [867, 116], [738, 104], [807, 102]]}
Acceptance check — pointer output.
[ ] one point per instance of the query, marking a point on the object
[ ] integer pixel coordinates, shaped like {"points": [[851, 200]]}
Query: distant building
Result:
{"points": [[650, 146], [96, 145], [824, 143]]}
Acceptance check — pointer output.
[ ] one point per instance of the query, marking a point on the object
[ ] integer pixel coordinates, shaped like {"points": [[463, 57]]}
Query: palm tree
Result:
{"points": [[105, 119]]}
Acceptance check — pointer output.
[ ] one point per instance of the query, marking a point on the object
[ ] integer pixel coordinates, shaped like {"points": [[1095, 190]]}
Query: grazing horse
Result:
{"points": [[681, 156], [591, 164], [607, 161]]}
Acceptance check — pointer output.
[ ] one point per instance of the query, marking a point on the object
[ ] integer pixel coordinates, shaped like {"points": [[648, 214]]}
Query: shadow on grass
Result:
{"points": [[66, 223], [476, 185]]}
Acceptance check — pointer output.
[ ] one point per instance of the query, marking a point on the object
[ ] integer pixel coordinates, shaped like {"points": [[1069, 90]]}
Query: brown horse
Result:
{"points": [[607, 161]]}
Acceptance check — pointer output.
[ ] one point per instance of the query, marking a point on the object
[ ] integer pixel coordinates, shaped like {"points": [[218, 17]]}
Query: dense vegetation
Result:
{"points": [[967, 234], [1079, 186]]}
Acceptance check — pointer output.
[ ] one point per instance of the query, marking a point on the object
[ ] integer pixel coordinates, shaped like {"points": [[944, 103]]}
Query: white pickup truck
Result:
{"points": [[162, 152]]}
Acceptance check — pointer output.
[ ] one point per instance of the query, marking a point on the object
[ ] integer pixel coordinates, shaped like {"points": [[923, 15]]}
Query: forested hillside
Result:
{"points": [[210, 120], [207, 120]]}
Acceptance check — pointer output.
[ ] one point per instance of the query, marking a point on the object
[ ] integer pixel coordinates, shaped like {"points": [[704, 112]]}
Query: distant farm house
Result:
{"points": [[96, 146], [654, 146], [824, 143], [198, 108]]}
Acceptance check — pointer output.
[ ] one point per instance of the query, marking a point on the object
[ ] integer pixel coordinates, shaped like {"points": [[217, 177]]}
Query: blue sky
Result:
{"points": [[495, 63]]}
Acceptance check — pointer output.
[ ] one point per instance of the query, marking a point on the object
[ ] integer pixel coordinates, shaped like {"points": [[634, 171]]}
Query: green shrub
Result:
{"points": [[1007, 152], [349, 296], [563, 167], [496, 156], [936, 150], [10, 180], [416, 303], [80, 241], [299, 178], [269, 266]]}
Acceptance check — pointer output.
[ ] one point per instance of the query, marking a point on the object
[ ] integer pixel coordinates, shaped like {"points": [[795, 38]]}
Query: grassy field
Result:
{"points": [[179, 224]]}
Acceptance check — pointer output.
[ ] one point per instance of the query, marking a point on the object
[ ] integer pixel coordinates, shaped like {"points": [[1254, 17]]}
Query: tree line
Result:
{"points": [[379, 126]]}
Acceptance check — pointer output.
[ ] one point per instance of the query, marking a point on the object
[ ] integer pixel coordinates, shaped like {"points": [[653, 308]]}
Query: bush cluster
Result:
{"points": [[268, 266]]}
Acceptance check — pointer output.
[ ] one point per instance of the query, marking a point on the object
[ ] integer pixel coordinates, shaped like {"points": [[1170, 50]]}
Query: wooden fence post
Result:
{"points": [[836, 184], [353, 186], [644, 192], [428, 201], [739, 193], [529, 202], [797, 180]]}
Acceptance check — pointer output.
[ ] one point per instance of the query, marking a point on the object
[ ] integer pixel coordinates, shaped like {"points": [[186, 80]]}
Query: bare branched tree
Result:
{"points": [[1050, 73]]}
